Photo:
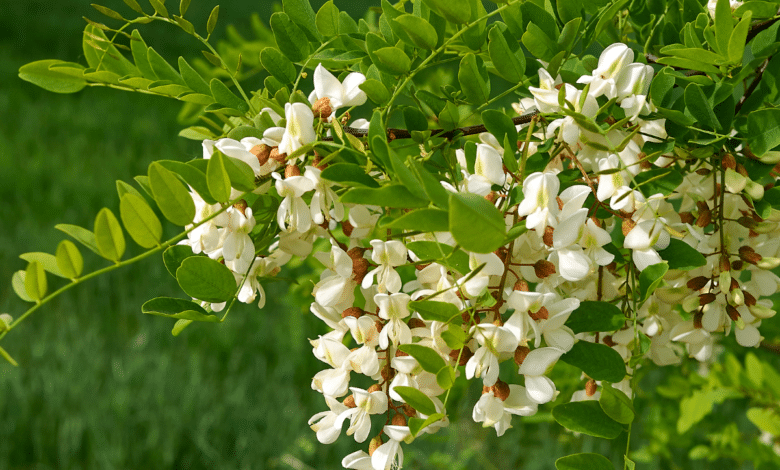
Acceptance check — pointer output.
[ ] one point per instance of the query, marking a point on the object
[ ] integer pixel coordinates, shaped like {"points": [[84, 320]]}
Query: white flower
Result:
{"points": [[299, 130], [293, 210], [488, 171], [325, 201], [394, 307], [389, 455], [612, 62], [324, 423], [493, 341], [237, 246], [336, 286], [539, 204], [366, 404], [539, 387], [492, 411], [346, 93], [387, 255]]}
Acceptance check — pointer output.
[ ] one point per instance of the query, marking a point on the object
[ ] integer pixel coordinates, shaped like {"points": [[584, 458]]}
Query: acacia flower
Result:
{"points": [[366, 404], [293, 213], [387, 255], [339, 94], [299, 130]]}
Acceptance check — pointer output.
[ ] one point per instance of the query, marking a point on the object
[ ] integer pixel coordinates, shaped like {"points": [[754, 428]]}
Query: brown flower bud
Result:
{"points": [[262, 152], [520, 354], [737, 265], [279, 157], [749, 299], [349, 402], [399, 353], [465, 355], [698, 283], [734, 284], [742, 170], [725, 264], [729, 161], [241, 205], [356, 312], [379, 326], [706, 298], [608, 341], [485, 390], [501, 390], [347, 227], [409, 410], [398, 420], [521, 286], [732, 312], [541, 314], [322, 108], [627, 226], [543, 268], [703, 171], [375, 388], [697, 318], [749, 255], [590, 388], [291, 170], [686, 218], [375, 444], [359, 269], [417, 323], [705, 217], [491, 197], [547, 238]]}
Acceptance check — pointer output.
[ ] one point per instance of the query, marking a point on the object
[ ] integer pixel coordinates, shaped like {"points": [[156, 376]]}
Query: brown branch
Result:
{"points": [[773, 347], [393, 134], [753, 85]]}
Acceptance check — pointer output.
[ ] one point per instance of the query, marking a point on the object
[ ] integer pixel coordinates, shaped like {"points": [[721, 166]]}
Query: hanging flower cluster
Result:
{"points": [[399, 337]]}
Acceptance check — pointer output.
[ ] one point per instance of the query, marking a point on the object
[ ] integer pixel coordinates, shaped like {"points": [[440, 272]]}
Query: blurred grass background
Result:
{"points": [[101, 386]]}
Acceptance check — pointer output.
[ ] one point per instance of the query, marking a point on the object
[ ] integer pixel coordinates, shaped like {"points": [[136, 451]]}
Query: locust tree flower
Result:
{"points": [[325, 202], [338, 94], [394, 308], [324, 422], [496, 412], [366, 404], [299, 130], [488, 171], [293, 213], [493, 340], [387, 255], [390, 455], [539, 204], [539, 387], [336, 286], [612, 62]]}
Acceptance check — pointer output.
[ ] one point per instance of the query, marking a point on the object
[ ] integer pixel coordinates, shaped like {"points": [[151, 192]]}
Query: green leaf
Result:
{"points": [[607, 16], [192, 176], [763, 130], [241, 175], [700, 106], [449, 117], [422, 220], [592, 316], [8, 357], [69, 259], [433, 310], [140, 55], [598, 361], [171, 195], [723, 26], [159, 7], [650, 279], [123, 188], [179, 326], [348, 174], [108, 235], [766, 419], [278, 65], [388, 196], [226, 97], [513, 17], [18, 284], [454, 336], [179, 309], [474, 79], [327, 19], [754, 370], [456, 12], [430, 185], [217, 178], [184, 5], [302, 14], [538, 43], [290, 39], [192, 78], [695, 407], [418, 424], [174, 255], [416, 399], [584, 462], [429, 359], [680, 255], [39, 73], [693, 53], [212, 21], [587, 417], [133, 4], [420, 33], [48, 261], [446, 377], [107, 12], [688, 64], [162, 68], [376, 91], [392, 60], [206, 279], [500, 125], [758, 9], [35, 281], [80, 234], [737, 39], [140, 220], [616, 404], [510, 64], [475, 223]]}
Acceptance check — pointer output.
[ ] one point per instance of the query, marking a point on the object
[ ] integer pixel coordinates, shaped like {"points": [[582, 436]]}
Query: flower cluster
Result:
{"points": [[585, 239]]}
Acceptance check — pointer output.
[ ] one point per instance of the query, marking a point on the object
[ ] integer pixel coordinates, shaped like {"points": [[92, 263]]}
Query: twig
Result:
{"points": [[753, 85]]}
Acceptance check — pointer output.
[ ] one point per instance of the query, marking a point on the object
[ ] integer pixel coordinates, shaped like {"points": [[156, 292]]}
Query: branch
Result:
{"points": [[753, 85], [393, 134]]}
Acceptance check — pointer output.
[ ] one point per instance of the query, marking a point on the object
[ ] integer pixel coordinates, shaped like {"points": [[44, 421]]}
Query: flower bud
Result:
{"points": [[501, 390], [547, 238], [754, 190], [672, 295], [627, 225], [732, 313], [690, 304], [761, 311], [375, 444], [356, 312], [416, 323], [704, 219], [729, 161], [464, 356], [768, 263], [279, 157], [706, 298], [725, 265], [697, 283], [770, 158], [398, 420], [541, 314], [322, 108], [697, 318], [590, 388], [241, 206], [724, 281], [521, 286], [349, 402], [409, 410], [520, 354], [5, 322], [737, 297], [686, 218], [399, 353], [291, 170], [749, 255], [543, 269], [749, 299], [375, 388], [765, 227], [262, 152], [347, 227]]}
